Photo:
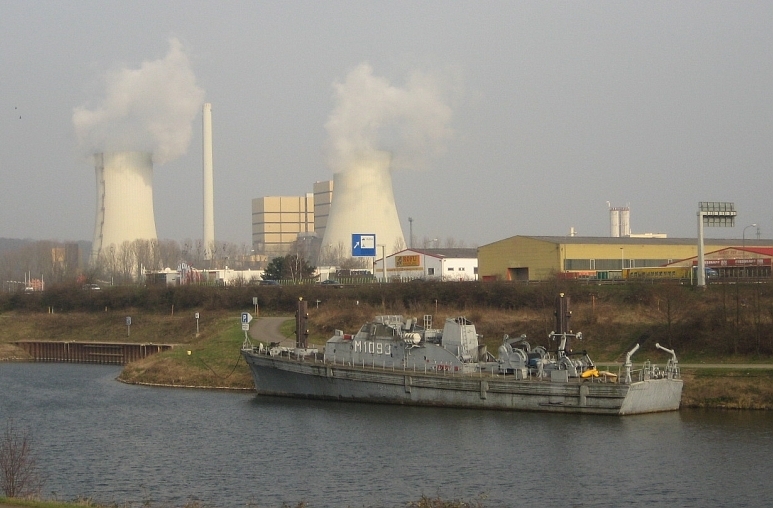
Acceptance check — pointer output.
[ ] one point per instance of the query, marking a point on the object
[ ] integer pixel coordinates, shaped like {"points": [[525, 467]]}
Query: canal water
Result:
{"points": [[111, 442]]}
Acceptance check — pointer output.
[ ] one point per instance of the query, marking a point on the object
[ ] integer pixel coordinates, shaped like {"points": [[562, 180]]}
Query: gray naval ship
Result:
{"points": [[397, 360]]}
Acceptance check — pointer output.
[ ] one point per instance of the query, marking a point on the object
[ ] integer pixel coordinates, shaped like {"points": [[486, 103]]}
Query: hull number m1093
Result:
{"points": [[374, 348]]}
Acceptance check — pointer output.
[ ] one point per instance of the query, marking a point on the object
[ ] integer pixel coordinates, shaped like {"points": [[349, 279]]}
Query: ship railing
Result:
{"points": [[647, 371], [438, 368], [672, 369], [652, 371]]}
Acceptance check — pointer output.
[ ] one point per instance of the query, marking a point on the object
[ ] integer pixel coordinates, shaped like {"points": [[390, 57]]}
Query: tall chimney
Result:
{"points": [[209, 182]]}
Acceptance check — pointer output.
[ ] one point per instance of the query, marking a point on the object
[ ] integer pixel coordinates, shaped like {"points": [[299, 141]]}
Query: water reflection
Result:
{"points": [[113, 442]]}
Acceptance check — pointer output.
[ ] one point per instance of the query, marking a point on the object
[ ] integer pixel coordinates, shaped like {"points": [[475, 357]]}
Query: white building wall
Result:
{"points": [[460, 269], [410, 264]]}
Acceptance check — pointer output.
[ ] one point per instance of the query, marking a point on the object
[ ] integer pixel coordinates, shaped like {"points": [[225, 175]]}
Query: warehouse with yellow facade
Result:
{"points": [[524, 258]]}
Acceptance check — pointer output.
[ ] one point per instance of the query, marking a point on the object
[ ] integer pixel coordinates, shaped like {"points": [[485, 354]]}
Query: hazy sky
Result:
{"points": [[555, 109]]}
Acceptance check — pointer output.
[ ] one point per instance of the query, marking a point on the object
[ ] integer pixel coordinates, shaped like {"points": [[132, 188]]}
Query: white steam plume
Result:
{"points": [[147, 109], [371, 115]]}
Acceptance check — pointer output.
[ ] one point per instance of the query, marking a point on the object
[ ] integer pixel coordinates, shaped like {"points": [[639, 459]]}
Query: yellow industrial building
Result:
{"points": [[278, 222], [523, 258]]}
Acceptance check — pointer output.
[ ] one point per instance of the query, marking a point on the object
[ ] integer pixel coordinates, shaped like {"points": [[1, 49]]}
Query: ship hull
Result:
{"points": [[282, 376]]}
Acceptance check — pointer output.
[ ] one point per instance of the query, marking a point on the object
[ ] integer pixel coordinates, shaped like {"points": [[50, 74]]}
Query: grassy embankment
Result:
{"points": [[214, 360]]}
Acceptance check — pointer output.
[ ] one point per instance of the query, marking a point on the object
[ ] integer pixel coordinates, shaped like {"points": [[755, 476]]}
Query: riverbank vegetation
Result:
{"points": [[728, 323]]}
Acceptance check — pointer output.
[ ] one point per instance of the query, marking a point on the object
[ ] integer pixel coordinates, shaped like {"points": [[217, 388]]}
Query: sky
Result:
{"points": [[546, 111]]}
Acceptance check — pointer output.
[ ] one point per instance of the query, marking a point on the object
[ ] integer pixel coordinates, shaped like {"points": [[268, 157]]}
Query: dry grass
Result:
{"points": [[214, 361], [729, 389], [146, 326], [9, 352]]}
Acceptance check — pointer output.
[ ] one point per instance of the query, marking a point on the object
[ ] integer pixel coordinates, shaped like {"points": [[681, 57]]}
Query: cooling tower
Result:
{"points": [[209, 185], [363, 203], [124, 199]]}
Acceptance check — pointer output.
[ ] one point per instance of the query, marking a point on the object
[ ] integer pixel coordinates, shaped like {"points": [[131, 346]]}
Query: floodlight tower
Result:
{"points": [[712, 213]]}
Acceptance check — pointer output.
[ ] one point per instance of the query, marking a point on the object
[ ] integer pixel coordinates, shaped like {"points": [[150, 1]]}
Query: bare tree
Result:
{"points": [[429, 243], [141, 252], [354, 263], [108, 261], [19, 472], [335, 254], [169, 253], [126, 262]]}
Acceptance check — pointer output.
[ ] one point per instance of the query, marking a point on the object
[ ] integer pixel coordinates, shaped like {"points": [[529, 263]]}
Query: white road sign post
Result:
{"points": [[246, 318]]}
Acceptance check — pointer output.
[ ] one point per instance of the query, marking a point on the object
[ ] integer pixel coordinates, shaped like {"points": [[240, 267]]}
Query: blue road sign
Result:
{"points": [[363, 245]]}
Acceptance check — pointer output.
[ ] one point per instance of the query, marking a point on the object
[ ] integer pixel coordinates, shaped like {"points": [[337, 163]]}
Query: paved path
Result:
{"points": [[765, 366], [266, 330], [761, 366]]}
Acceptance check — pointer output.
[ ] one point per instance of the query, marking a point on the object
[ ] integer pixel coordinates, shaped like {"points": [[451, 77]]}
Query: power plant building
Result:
{"points": [[524, 258], [278, 221], [359, 200]]}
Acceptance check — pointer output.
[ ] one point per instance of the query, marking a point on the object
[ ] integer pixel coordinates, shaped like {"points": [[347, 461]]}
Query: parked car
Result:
{"points": [[331, 283], [269, 282]]}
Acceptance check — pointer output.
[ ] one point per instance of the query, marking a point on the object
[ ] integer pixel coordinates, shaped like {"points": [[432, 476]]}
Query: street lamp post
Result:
{"points": [[383, 261], [622, 261], [410, 239], [743, 240]]}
